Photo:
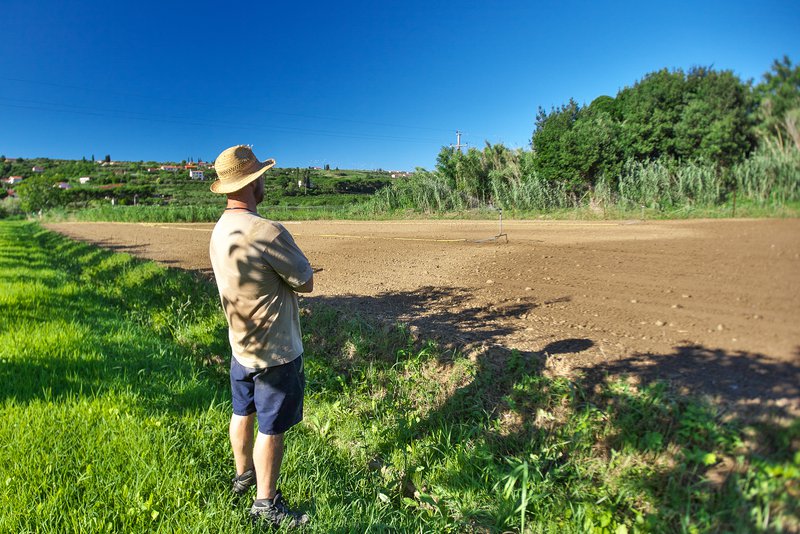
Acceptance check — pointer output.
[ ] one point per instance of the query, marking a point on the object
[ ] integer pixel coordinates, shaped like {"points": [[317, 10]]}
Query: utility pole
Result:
{"points": [[458, 144]]}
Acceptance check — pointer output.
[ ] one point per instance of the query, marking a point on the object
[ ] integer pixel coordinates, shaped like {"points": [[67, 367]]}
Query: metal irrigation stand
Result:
{"points": [[500, 233]]}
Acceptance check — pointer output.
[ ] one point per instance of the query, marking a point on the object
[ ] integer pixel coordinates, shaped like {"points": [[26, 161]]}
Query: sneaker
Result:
{"points": [[276, 512], [243, 482]]}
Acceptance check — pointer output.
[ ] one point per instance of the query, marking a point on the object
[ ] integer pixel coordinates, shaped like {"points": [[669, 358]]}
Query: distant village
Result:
{"points": [[196, 171], [82, 182]]}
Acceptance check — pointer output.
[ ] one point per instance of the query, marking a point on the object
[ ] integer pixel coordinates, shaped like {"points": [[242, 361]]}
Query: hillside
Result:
{"points": [[170, 184]]}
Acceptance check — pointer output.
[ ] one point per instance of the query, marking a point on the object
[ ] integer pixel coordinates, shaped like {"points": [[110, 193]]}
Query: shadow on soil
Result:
{"points": [[505, 408], [748, 385], [744, 384], [443, 314]]}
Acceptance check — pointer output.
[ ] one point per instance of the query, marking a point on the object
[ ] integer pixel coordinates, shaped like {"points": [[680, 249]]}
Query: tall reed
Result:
{"points": [[767, 178]]}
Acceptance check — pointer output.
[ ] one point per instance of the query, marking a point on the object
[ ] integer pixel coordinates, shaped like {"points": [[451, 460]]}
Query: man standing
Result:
{"points": [[259, 271]]}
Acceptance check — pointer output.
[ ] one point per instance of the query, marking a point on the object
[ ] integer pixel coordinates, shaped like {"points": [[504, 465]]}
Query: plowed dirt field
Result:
{"points": [[712, 306]]}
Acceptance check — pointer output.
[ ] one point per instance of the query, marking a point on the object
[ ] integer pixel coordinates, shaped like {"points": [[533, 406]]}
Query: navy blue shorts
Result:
{"points": [[275, 394]]}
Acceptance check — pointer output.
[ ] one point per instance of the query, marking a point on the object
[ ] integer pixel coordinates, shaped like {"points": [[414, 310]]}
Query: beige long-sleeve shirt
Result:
{"points": [[257, 265]]}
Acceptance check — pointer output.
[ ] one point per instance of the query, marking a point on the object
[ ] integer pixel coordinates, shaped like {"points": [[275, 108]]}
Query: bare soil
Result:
{"points": [[711, 306]]}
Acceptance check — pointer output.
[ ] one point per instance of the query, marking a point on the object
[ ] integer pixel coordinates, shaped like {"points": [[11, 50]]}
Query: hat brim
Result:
{"points": [[230, 186]]}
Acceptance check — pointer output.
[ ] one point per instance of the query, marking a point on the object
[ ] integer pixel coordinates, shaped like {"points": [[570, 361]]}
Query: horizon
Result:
{"points": [[179, 162], [363, 88]]}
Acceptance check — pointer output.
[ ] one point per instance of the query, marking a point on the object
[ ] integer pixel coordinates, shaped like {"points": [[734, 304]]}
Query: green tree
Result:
{"points": [[447, 166], [551, 143], [605, 104], [716, 121], [779, 104], [37, 193], [650, 110], [576, 145], [594, 146]]}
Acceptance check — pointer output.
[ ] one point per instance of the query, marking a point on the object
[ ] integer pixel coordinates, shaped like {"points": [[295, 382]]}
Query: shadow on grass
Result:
{"points": [[115, 247], [103, 340], [506, 409]]}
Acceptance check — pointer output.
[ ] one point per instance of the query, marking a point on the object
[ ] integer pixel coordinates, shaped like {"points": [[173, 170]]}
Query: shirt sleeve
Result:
{"points": [[286, 258]]}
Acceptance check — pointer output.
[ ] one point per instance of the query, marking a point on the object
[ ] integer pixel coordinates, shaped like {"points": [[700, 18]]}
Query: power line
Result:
{"points": [[222, 106], [112, 113]]}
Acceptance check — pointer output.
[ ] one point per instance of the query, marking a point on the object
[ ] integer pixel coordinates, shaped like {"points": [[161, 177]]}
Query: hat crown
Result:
{"points": [[235, 161], [236, 167]]}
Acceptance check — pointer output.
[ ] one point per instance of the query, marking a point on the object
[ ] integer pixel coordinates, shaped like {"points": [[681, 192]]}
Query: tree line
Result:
{"points": [[672, 137]]}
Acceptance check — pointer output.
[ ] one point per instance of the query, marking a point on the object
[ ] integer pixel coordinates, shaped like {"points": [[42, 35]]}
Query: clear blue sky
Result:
{"points": [[352, 84]]}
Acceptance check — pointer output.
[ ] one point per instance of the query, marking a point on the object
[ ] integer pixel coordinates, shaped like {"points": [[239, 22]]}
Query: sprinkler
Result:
{"points": [[500, 232]]}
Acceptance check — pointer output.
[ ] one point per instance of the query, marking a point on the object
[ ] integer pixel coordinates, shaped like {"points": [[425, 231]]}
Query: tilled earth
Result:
{"points": [[712, 306]]}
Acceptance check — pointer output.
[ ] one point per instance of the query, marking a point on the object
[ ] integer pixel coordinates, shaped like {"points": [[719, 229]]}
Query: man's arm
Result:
{"points": [[308, 287]]}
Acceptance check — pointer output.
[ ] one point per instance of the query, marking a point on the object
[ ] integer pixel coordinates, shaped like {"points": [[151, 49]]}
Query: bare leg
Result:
{"points": [[241, 433], [267, 456]]}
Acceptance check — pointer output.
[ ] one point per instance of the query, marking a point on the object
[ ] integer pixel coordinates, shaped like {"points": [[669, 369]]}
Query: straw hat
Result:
{"points": [[236, 167]]}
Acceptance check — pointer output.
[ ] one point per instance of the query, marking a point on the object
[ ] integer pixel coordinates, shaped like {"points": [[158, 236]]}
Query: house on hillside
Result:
{"points": [[170, 168], [63, 185], [38, 169], [196, 175], [84, 179], [14, 180]]}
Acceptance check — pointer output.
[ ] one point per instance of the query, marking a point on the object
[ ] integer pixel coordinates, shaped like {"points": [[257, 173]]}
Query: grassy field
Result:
{"points": [[366, 211], [114, 406]]}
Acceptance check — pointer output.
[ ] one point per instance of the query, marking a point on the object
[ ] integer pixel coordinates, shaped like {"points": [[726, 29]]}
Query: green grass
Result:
{"points": [[744, 209], [114, 406]]}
